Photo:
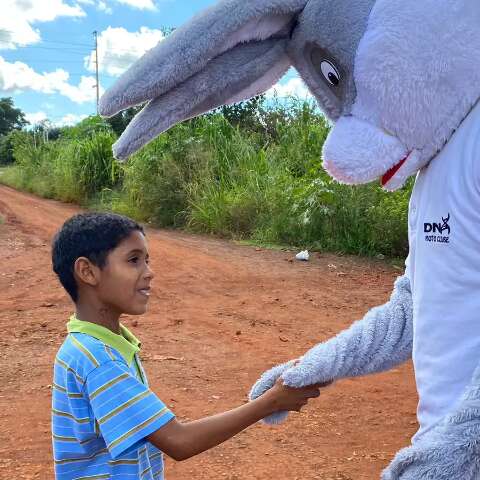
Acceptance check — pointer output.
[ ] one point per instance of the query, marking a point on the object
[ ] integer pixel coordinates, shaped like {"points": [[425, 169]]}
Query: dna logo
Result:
{"points": [[437, 227]]}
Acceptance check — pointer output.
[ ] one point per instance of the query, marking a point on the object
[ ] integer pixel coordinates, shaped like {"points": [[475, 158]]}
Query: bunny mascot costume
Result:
{"points": [[400, 80]]}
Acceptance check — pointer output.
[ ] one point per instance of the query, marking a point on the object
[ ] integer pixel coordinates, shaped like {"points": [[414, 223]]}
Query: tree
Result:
{"points": [[6, 149], [244, 114], [11, 142], [120, 121], [85, 128], [46, 130], [11, 118]]}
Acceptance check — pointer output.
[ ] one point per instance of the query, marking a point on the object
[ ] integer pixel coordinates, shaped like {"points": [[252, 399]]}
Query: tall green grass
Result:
{"points": [[71, 170], [260, 180]]}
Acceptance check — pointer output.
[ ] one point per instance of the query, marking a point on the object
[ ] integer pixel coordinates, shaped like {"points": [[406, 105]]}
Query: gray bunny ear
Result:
{"points": [[240, 73], [190, 48]]}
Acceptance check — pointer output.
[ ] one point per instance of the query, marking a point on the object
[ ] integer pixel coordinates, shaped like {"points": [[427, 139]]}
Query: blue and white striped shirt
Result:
{"points": [[102, 408]]}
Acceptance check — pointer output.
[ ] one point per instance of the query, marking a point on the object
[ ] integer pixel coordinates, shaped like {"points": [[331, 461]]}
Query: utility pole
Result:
{"points": [[96, 66]]}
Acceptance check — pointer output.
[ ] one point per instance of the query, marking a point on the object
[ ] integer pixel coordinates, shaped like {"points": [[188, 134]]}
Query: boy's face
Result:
{"points": [[124, 283]]}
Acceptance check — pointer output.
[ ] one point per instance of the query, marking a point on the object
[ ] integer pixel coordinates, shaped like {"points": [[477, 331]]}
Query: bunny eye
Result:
{"points": [[330, 72]]}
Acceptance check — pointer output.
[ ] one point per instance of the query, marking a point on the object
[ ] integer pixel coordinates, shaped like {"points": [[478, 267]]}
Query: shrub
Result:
{"points": [[251, 172]]}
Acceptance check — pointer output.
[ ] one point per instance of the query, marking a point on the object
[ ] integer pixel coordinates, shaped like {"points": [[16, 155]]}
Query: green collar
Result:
{"points": [[126, 343]]}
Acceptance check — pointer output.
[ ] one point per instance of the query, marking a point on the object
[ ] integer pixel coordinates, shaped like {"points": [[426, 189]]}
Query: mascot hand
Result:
{"points": [[267, 381], [295, 373], [309, 370]]}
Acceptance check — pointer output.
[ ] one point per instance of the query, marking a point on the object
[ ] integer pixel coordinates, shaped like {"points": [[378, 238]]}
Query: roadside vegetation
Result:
{"points": [[251, 171]]}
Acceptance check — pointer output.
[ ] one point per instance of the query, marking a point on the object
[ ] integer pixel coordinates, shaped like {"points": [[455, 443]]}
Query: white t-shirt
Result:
{"points": [[444, 271]]}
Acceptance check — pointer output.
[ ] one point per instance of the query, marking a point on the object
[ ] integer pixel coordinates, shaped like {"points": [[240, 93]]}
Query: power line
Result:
{"points": [[67, 51], [96, 67], [3, 30], [59, 64], [83, 53], [91, 47], [68, 43], [48, 61]]}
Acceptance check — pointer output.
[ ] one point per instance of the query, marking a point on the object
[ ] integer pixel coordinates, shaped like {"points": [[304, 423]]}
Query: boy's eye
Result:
{"points": [[137, 259]]}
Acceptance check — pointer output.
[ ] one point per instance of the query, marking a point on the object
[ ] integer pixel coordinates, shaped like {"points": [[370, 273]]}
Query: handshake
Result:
{"points": [[281, 397]]}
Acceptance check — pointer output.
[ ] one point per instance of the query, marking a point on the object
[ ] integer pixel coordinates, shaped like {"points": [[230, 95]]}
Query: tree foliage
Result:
{"points": [[85, 128], [120, 121], [11, 118]]}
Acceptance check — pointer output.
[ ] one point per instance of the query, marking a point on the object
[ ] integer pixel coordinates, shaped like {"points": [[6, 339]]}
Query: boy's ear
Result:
{"points": [[232, 51], [86, 272]]}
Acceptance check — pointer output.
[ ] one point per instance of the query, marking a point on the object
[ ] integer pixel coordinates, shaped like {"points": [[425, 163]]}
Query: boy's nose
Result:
{"points": [[149, 273]]}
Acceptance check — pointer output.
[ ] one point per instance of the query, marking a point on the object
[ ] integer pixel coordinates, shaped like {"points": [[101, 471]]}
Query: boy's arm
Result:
{"points": [[184, 440]]}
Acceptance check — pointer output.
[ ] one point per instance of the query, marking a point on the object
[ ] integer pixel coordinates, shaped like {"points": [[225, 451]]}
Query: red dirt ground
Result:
{"points": [[223, 313]]}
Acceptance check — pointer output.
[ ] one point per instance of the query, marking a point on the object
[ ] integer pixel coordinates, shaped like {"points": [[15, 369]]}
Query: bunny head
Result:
{"points": [[397, 77]]}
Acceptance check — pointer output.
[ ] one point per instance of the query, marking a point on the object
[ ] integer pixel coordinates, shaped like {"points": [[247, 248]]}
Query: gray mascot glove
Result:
{"points": [[378, 342]]}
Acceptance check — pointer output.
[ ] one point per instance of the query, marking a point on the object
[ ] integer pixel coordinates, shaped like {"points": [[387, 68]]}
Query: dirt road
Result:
{"points": [[221, 313]]}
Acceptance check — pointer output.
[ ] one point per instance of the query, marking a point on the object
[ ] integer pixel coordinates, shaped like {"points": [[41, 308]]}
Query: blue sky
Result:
{"points": [[46, 48]]}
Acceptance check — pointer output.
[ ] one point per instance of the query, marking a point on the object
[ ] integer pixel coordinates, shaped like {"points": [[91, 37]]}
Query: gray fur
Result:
{"points": [[223, 78], [188, 50], [191, 72], [378, 342], [333, 28], [450, 451], [381, 340]]}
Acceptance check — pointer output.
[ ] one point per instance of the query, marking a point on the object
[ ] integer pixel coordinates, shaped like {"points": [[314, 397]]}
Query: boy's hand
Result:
{"points": [[183, 440], [284, 398]]}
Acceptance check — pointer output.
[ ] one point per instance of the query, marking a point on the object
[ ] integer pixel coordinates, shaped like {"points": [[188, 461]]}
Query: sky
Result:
{"points": [[46, 50]]}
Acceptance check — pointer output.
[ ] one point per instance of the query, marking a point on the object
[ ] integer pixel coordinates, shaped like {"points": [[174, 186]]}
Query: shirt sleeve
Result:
{"points": [[125, 409]]}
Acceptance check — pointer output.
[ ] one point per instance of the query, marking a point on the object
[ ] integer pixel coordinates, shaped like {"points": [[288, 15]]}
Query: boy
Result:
{"points": [[106, 422]]}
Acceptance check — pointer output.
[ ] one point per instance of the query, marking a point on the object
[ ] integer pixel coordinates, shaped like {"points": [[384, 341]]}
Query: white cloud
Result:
{"points": [[47, 105], [70, 119], [141, 4], [84, 92], [295, 87], [34, 118], [118, 48], [41, 117], [18, 16], [103, 7], [18, 77]]}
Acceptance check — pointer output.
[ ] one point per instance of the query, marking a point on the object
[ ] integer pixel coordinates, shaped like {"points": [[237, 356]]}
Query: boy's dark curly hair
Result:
{"points": [[90, 235]]}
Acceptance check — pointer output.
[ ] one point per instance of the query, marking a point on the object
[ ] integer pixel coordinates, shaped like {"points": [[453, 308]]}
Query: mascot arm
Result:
{"points": [[378, 342]]}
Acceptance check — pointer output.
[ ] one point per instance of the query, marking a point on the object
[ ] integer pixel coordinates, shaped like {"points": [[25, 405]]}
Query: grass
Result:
{"points": [[260, 181]]}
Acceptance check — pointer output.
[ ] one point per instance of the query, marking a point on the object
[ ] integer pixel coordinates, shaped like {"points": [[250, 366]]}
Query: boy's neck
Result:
{"points": [[99, 315]]}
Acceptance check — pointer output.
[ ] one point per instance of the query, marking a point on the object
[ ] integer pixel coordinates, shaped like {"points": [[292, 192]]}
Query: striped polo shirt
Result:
{"points": [[102, 408]]}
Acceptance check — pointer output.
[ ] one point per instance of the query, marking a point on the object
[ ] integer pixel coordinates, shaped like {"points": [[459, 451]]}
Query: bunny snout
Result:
{"points": [[357, 152]]}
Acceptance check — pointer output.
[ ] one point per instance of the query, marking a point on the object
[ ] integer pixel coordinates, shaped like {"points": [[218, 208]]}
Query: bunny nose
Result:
{"points": [[359, 152]]}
